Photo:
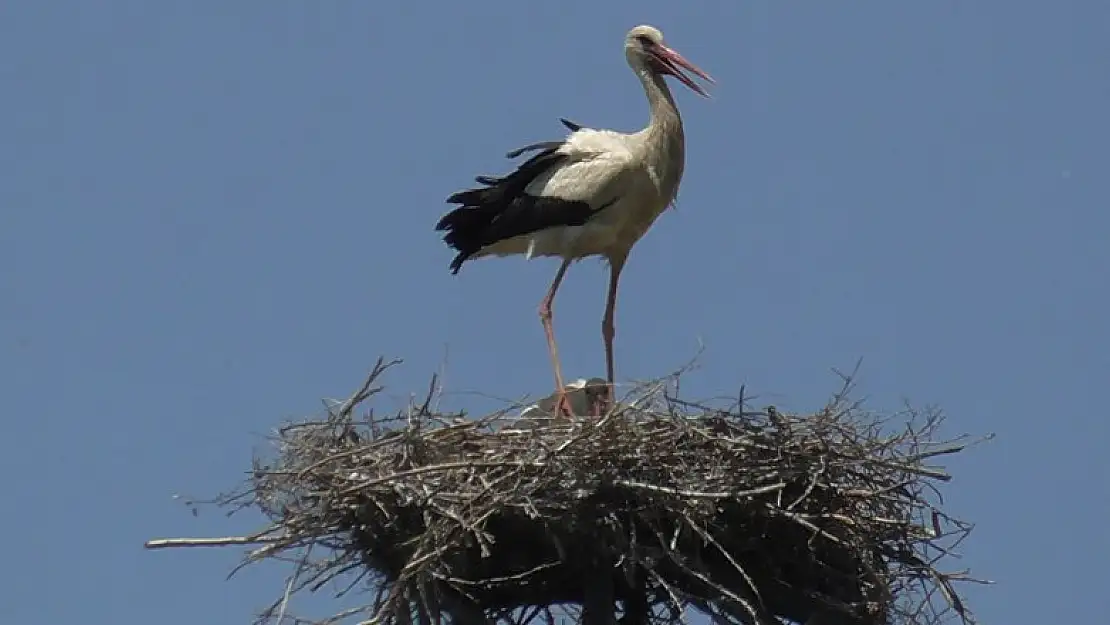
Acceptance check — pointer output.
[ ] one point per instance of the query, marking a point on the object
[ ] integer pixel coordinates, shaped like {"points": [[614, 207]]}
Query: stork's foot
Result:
{"points": [[609, 398], [562, 405], [602, 401]]}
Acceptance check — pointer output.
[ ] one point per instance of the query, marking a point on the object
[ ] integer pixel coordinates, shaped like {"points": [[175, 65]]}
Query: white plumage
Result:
{"points": [[595, 193]]}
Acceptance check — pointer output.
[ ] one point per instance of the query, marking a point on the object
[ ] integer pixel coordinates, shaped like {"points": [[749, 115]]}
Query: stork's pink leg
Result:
{"points": [[561, 405], [608, 327]]}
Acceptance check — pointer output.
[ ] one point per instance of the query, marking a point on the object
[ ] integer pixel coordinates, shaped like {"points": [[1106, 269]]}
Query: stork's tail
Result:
{"points": [[465, 227]]}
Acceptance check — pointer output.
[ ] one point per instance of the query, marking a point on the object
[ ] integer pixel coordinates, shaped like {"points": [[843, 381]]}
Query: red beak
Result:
{"points": [[673, 63]]}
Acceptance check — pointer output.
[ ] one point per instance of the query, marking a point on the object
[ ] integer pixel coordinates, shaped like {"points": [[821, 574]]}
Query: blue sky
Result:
{"points": [[213, 214]]}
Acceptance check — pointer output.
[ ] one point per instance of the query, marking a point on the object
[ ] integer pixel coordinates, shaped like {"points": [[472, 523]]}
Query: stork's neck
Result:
{"points": [[665, 118], [664, 139]]}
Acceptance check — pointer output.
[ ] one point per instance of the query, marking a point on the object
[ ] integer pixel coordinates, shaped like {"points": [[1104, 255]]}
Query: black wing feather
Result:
{"points": [[501, 209], [542, 145], [571, 125]]}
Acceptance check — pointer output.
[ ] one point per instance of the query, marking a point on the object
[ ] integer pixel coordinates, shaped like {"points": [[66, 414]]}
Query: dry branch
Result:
{"points": [[663, 504]]}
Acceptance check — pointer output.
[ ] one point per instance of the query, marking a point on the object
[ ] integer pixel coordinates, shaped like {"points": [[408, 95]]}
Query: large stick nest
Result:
{"points": [[658, 506]]}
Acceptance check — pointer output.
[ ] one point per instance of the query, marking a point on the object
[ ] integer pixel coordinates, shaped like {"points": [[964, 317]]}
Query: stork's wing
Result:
{"points": [[563, 184]]}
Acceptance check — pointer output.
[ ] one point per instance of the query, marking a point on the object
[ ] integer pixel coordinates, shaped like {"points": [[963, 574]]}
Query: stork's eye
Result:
{"points": [[645, 41]]}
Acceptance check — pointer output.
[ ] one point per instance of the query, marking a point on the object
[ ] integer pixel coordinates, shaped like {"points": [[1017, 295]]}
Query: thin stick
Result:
{"points": [[162, 543]]}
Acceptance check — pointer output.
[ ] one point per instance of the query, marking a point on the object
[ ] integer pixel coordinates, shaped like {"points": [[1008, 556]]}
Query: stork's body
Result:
{"points": [[595, 193]]}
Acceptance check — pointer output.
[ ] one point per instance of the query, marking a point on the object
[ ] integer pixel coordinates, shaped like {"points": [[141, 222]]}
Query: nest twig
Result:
{"points": [[660, 505]]}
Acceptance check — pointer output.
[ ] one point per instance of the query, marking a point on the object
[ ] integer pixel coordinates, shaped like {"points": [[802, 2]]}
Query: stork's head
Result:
{"points": [[645, 50]]}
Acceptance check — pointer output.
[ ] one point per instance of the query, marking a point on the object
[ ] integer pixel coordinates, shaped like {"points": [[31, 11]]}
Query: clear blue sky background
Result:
{"points": [[213, 214]]}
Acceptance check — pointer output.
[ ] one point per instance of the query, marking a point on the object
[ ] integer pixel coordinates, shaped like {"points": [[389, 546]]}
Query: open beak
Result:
{"points": [[674, 63]]}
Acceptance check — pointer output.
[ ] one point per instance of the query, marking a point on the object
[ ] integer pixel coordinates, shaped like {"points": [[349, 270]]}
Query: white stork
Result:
{"points": [[595, 193]]}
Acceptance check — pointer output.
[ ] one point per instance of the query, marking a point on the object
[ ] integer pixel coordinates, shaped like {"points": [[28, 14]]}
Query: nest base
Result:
{"points": [[661, 505]]}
